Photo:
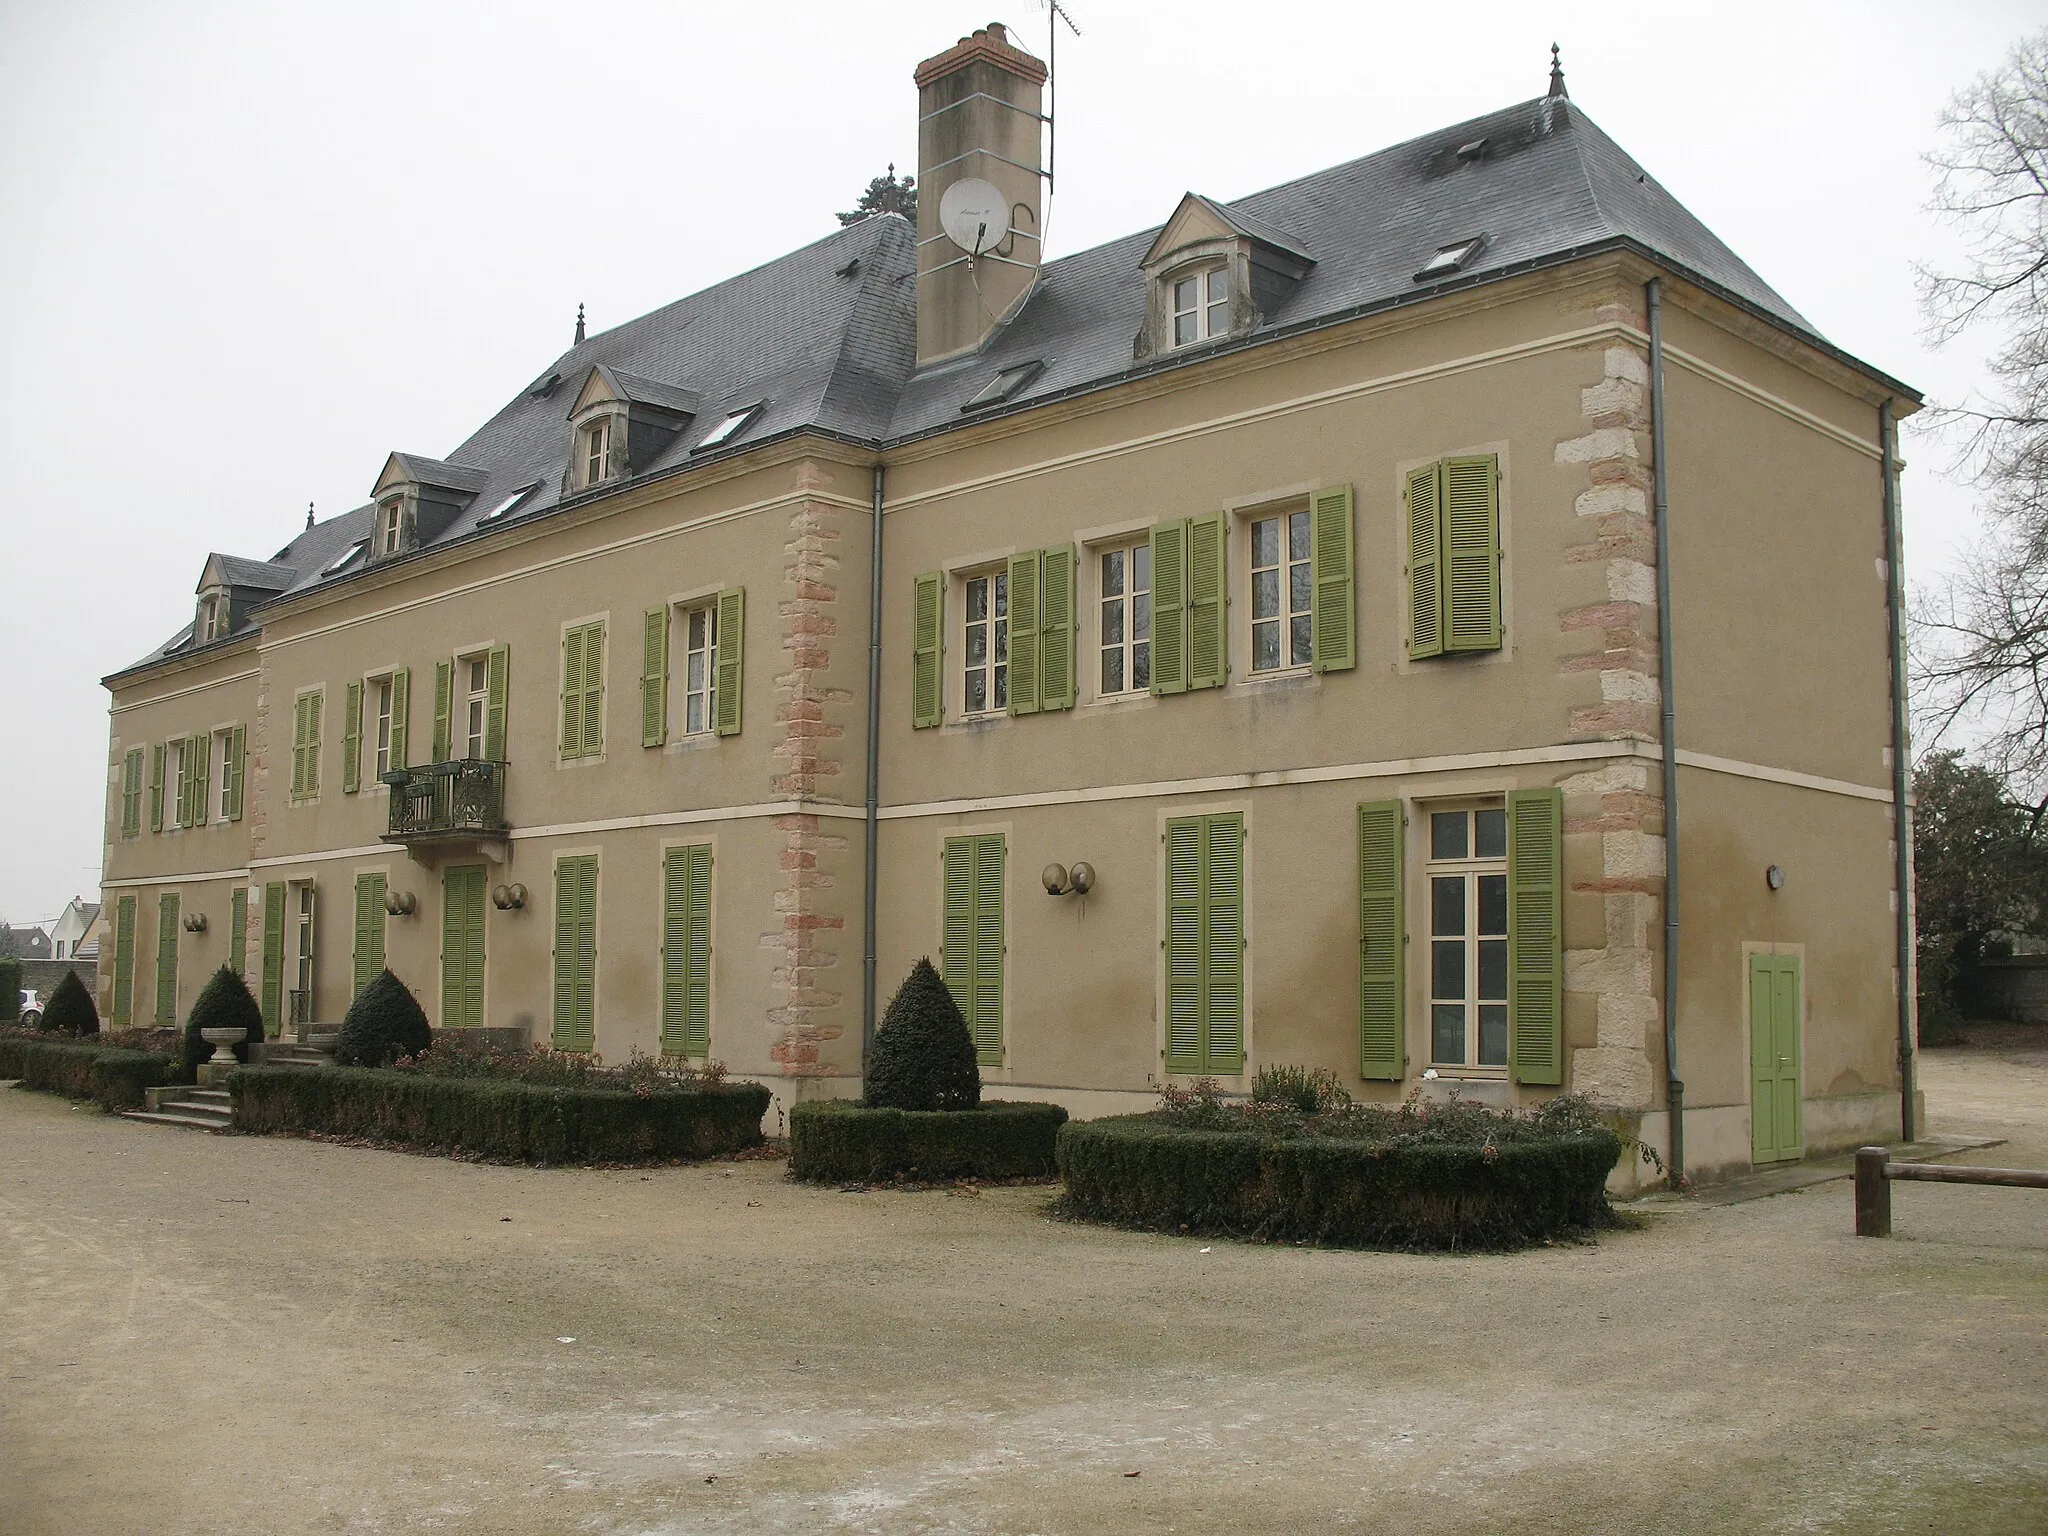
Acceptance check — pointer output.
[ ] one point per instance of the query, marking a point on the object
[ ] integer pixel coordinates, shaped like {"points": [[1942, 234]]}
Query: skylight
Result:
{"points": [[1450, 258], [1005, 385], [346, 558], [729, 428], [509, 503]]}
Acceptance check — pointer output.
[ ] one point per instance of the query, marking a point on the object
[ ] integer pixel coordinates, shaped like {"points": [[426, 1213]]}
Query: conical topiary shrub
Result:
{"points": [[223, 1003], [923, 1055], [384, 1023], [70, 1010]]}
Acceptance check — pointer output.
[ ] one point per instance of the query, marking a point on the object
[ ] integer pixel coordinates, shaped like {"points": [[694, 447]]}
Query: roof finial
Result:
{"points": [[309, 514], [1556, 76], [579, 323]]}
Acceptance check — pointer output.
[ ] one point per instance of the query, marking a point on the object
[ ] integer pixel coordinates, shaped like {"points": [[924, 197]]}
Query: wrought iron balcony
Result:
{"points": [[462, 801]]}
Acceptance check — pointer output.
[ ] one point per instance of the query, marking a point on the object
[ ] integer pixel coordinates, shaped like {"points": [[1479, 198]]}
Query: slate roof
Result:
{"points": [[825, 337], [257, 575]]}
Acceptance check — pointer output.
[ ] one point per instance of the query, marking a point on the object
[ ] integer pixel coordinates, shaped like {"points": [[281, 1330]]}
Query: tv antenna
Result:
{"points": [[1057, 13]]}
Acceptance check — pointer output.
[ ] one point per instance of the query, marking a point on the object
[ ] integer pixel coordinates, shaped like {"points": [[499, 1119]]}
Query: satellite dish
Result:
{"points": [[975, 215]]}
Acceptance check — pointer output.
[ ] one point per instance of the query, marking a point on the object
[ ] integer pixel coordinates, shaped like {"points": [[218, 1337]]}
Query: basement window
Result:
{"points": [[346, 558], [1450, 258], [729, 428], [1006, 385], [509, 503]]}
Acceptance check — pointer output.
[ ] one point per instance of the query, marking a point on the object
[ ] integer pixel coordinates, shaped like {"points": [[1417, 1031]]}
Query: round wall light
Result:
{"points": [[1774, 877], [508, 898], [1054, 878], [401, 903]]}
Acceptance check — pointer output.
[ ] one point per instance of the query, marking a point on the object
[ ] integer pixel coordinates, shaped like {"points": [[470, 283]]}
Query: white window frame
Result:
{"points": [[223, 746], [1134, 550], [476, 706], [213, 615], [391, 526], [597, 451], [697, 676], [174, 781], [995, 665], [1284, 514], [378, 699], [1472, 869], [1210, 292]]}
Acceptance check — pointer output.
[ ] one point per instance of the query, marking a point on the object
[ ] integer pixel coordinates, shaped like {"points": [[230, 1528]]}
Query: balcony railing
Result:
{"points": [[461, 799]]}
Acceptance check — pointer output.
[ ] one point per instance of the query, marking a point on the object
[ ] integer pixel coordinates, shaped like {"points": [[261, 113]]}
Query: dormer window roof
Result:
{"points": [[417, 499], [734, 424], [622, 423], [1213, 272]]}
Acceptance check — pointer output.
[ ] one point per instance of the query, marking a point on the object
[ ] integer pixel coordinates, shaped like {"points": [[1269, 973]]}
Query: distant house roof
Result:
{"points": [[824, 338]]}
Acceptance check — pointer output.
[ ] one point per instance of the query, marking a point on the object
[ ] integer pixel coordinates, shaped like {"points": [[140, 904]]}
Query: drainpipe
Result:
{"points": [[1674, 1087], [874, 798], [1902, 816]]}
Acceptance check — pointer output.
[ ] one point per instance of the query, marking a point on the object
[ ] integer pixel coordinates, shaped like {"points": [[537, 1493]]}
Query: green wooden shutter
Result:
{"points": [[1223, 943], [1024, 570], [238, 930], [180, 795], [686, 951], [972, 952], [201, 776], [1425, 562], [1184, 981], [1056, 629], [732, 656], [572, 693], [444, 711], [352, 739], [593, 689], [1334, 604], [654, 677], [1471, 554], [1169, 608], [1208, 656], [1382, 1039], [401, 717], [927, 632], [298, 747], [576, 952], [369, 952], [462, 947], [124, 961], [1535, 940], [158, 752], [273, 959], [238, 764], [167, 960], [131, 792], [497, 674]]}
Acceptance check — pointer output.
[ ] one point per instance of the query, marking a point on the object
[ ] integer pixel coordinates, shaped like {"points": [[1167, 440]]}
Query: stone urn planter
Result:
{"points": [[223, 1042], [323, 1040]]}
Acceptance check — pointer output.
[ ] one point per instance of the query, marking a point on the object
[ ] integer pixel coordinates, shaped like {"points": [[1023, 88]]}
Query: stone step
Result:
{"points": [[159, 1117]]}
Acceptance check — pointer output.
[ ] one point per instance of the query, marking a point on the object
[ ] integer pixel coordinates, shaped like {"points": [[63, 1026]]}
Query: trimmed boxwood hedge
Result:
{"points": [[835, 1140], [109, 1075], [1133, 1170], [498, 1118]]}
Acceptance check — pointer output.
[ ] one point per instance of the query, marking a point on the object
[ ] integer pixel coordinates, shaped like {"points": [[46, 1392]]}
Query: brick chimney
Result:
{"points": [[979, 114]]}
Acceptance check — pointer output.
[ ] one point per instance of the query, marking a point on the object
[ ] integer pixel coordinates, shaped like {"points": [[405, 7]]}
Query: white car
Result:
{"points": [[31, 1009]]}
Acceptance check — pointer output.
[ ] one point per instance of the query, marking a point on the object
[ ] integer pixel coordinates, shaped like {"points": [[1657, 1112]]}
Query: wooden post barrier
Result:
{"points": [[1875, 1171]]}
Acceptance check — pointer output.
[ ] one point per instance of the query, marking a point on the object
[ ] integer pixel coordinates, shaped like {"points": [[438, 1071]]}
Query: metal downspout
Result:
{"points": [[874, 796], [1902, 816], [1674, 1086]]}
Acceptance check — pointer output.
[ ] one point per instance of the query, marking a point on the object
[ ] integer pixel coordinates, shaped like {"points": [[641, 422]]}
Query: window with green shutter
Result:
{"points": [[444, 705], [131, 792], [369, 950], [199, 771], [462, 946], [1535, 935], [972, 947], [167, 960], [238, 930], [497, 677], [1334, 614], [1453, 577], [124, 961], [237, 764], [686, 951], [927, 637], [272, 998], [732, 653], [1382, 1039], [159, 753], [1041, 630], [306, 746], [583, 690], [1205, 942], [352, 738], [401, 718], [654, 677], [1189, 570], [576, 952]]}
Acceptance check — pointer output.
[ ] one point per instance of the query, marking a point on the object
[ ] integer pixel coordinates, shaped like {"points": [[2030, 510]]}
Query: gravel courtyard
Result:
{"points": [[222, 1334]]}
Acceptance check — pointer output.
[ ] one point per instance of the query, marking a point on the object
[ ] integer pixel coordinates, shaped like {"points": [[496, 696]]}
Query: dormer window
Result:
{"points": [[213, 616], [1201, 306], [390, 526], [597, 453]]}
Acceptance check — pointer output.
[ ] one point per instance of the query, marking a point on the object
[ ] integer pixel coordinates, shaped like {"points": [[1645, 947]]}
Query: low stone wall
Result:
{"points": [[42, 976], [2014, 989]]}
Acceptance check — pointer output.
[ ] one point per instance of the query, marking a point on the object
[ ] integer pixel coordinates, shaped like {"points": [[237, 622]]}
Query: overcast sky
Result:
{"points": [[247, 249]]}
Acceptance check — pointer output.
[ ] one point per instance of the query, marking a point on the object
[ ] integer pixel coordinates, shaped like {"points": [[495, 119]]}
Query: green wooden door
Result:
{"points": [[576, 952], [273, 959], [972, 941], [166, 960], [124, 961], [686, 951], [1205, 943], [1776, 1134], [369, 951], [462, 947]]}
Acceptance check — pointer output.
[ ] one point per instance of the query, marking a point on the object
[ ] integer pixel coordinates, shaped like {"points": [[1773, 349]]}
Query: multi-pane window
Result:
{"points": [[476, 702], [213, 616], [380, 705], [177, 781], [390, 526], [987, 648], [1126, 615], [1201, 306], [597, 453], [224, 753], [1468, 938], [1283, 593], [700, 669]]}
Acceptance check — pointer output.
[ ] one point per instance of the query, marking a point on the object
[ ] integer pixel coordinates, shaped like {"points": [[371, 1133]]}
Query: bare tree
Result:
{"points": [[1981, 652]]}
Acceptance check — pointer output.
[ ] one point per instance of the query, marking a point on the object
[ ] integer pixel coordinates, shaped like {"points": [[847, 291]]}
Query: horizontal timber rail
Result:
{"points": [[1875, 1171]]}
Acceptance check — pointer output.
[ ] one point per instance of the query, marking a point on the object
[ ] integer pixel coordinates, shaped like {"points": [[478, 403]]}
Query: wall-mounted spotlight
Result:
{"points": [[401, 903], [1062, 881], [508, 898], [195, 922], [1774, 877]]}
